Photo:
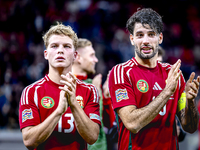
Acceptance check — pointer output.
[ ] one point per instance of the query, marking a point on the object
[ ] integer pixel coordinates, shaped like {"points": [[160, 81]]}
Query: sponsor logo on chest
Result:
{"points": [[157, 87]]}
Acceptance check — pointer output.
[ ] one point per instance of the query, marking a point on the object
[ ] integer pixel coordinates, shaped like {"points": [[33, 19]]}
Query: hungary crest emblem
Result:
{"points": [[80, 101], [47, 102], [142, 86]]}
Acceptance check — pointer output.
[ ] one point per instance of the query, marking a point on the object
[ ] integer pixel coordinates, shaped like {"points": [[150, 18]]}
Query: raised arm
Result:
{"points": [[88, 129], [135, 118], [189, 115], [35, 135]]}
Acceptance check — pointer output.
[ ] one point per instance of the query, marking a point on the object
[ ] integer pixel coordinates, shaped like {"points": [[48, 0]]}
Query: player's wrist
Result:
{"points": [[167, 91], [59, 112], [191, 101], [73, 103]]}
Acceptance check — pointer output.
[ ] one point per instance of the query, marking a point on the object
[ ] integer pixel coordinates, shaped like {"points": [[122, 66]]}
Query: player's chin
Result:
{"points": [[61, 65], [148, 56]]}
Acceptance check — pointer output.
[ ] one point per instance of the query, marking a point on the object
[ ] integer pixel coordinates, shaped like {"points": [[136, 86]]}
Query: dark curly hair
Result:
{"points": [[145, 16]]}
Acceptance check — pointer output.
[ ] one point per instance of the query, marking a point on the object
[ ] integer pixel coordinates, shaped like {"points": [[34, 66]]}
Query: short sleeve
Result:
{"points": [[92, 107], [120, 88], [28, 111]]}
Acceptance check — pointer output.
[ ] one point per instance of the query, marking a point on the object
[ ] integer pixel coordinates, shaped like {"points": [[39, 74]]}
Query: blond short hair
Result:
{"points": [[82, 43], [60, 29]]}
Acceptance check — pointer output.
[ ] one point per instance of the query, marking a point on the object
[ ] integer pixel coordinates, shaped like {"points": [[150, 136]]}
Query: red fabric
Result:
{"points": [[133, 84], [40, 99], [108, 112], [80, 77]]}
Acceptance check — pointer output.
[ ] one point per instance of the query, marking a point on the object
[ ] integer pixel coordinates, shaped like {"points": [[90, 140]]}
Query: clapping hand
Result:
{"points": [[173, 76], [69, 81], [192, 87]]}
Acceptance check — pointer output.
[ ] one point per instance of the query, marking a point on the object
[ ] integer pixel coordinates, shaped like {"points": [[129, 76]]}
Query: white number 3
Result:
{"points": [[162, 113], [70, 121]]}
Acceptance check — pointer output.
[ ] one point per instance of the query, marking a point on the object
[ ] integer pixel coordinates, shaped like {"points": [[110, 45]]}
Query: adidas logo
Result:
{"points": [[157, 86]]}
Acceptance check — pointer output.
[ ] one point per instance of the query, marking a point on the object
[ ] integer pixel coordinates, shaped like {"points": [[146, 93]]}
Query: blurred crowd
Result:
{"points": [[23, 22]]}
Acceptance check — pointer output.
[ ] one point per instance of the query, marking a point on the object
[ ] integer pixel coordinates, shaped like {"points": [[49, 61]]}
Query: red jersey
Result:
{"points": [[41, 98], [108, 112], [133, 84]]}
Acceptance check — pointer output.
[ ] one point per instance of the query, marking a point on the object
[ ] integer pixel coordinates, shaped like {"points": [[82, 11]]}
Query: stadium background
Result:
{"points": [[23, 22]]}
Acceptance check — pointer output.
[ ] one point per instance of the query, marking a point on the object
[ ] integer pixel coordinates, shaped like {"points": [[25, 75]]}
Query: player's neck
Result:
{"points": [[76, 70], [55, 73], [149, 63]]}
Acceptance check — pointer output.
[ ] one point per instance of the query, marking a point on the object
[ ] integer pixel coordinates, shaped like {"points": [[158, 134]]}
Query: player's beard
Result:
{"points": [[146, 56]]}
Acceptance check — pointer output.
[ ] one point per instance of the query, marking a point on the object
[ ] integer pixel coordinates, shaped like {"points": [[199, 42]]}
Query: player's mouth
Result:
{"points": [[60, 58], [146, 50]]}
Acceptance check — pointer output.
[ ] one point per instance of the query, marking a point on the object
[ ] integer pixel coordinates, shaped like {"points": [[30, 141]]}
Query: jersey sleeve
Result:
{"points": [[92, 107], [28, 111], [120, 88]]}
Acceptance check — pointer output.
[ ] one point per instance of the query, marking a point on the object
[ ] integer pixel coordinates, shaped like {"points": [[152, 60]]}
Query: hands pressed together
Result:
{"points": [[68, 91]]}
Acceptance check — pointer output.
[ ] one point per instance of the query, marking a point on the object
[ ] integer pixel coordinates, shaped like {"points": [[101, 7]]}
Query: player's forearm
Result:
{"points": [[189, 117], [35, 135], [139, 118], [88, 129], [149, 112]]}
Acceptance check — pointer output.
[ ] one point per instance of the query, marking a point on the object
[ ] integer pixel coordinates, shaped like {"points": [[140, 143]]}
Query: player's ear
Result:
{"points": [[78, 58], [45, 54], [131, 39], [75, 55], [160, 38]]}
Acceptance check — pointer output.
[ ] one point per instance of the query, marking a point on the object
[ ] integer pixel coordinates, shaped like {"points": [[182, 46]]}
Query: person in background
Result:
{"points": [[59, 111], [147, 94], [180, 132], [84, 66]]}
